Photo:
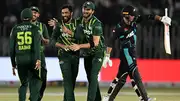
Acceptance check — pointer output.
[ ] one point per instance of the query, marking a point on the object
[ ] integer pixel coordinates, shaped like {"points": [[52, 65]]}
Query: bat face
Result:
{"points": [[167, 36], [167, 39]]}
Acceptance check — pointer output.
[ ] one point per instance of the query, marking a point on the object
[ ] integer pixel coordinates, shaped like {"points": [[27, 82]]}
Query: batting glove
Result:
{"points": [[166, 20], [106, 61]]}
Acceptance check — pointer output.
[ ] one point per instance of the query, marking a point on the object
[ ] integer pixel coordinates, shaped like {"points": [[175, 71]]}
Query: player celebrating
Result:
{"points": [[125, 31], [90, 33], [45, 41], [25, 54], [62, 38]]}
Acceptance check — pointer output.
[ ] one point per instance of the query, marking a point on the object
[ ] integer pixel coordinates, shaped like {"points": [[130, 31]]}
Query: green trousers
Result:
{"points": [[43, 76], [28, 75], [93, 65], [69, 67]]}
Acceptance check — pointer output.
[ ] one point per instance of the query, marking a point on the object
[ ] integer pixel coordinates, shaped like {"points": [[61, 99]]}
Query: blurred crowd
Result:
{"points": [[108, 11]]}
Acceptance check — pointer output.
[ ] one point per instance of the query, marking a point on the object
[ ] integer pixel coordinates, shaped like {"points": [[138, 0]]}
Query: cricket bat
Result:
{"points": [[167, 36]]}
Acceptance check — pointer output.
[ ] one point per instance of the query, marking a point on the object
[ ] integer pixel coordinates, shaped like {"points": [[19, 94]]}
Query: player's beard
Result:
{"points": [[87, 15], [66, 19], [34, 19]]}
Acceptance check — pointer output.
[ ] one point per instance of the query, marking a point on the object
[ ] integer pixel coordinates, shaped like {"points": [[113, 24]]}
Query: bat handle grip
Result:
{"points": [[166, 12]]}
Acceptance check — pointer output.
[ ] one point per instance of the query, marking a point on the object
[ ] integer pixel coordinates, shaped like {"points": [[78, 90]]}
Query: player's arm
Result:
{"points": [[37, 44], [106, 60], [54, 38], [96, 34], [45, 35], [164, 19], [115, 35], [12, 47]]}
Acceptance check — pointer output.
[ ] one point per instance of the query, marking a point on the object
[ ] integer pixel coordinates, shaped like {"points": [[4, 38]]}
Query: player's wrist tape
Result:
{"points": [[92, 45]]}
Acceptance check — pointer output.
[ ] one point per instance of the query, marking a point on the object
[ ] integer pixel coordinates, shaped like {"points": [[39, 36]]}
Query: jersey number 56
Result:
{"points": [[24, 38]]}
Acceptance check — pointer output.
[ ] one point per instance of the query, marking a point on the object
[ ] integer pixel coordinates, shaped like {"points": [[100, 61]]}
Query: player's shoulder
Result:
{"points": [[15, 27], [74, 20], [95, 20], [41, 23], [79, 19], [117, 26], [35, 28]]}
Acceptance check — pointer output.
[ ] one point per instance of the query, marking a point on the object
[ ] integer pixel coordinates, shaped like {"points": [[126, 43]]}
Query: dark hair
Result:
{"points": [[67, 6]]}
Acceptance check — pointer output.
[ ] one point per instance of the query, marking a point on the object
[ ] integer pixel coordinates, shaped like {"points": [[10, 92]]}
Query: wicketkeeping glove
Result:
{"points": [[166, 20], [106, 61]]}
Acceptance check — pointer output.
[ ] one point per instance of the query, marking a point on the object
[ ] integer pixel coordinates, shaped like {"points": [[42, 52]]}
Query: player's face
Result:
{"points": [[66, 14], [87, 12], [35, 15], [128, 19], [131, 18]]}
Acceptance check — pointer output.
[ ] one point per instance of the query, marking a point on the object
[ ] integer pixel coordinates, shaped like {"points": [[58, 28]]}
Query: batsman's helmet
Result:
{"points": [[26, 14], [129, 10]]}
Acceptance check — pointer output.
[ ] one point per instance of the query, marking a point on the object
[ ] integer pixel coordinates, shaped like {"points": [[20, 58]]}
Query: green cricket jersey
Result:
{"points": [[64, 38], [25, 41], [44, 32], [90, 29]]}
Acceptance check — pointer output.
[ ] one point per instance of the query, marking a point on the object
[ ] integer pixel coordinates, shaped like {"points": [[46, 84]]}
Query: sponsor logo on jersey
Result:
{"points": [[130, 34]]}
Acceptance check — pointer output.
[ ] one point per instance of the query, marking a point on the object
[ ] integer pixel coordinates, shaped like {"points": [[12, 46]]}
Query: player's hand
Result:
{"points": [[66, 47], [45, 41], [52, 22], [13, 71], [66, 30], [106, 61], [38, 65], [166, 20], [74, 47]]}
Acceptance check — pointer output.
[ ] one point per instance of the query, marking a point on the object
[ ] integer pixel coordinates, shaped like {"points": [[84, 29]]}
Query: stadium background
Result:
{"points": [[157, 68]]}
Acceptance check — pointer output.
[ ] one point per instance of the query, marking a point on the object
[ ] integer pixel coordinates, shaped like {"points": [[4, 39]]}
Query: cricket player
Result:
{"points": [[90, 35], [125, 31], [45, 41], [25, 55], [62, 38]]}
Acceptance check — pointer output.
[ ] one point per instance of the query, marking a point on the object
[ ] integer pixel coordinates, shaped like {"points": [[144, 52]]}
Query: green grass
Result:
{"points": [[127, 94]]}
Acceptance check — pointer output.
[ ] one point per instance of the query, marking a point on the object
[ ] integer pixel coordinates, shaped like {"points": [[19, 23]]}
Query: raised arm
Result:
{"points": [[164, 19], [45, 35]]}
